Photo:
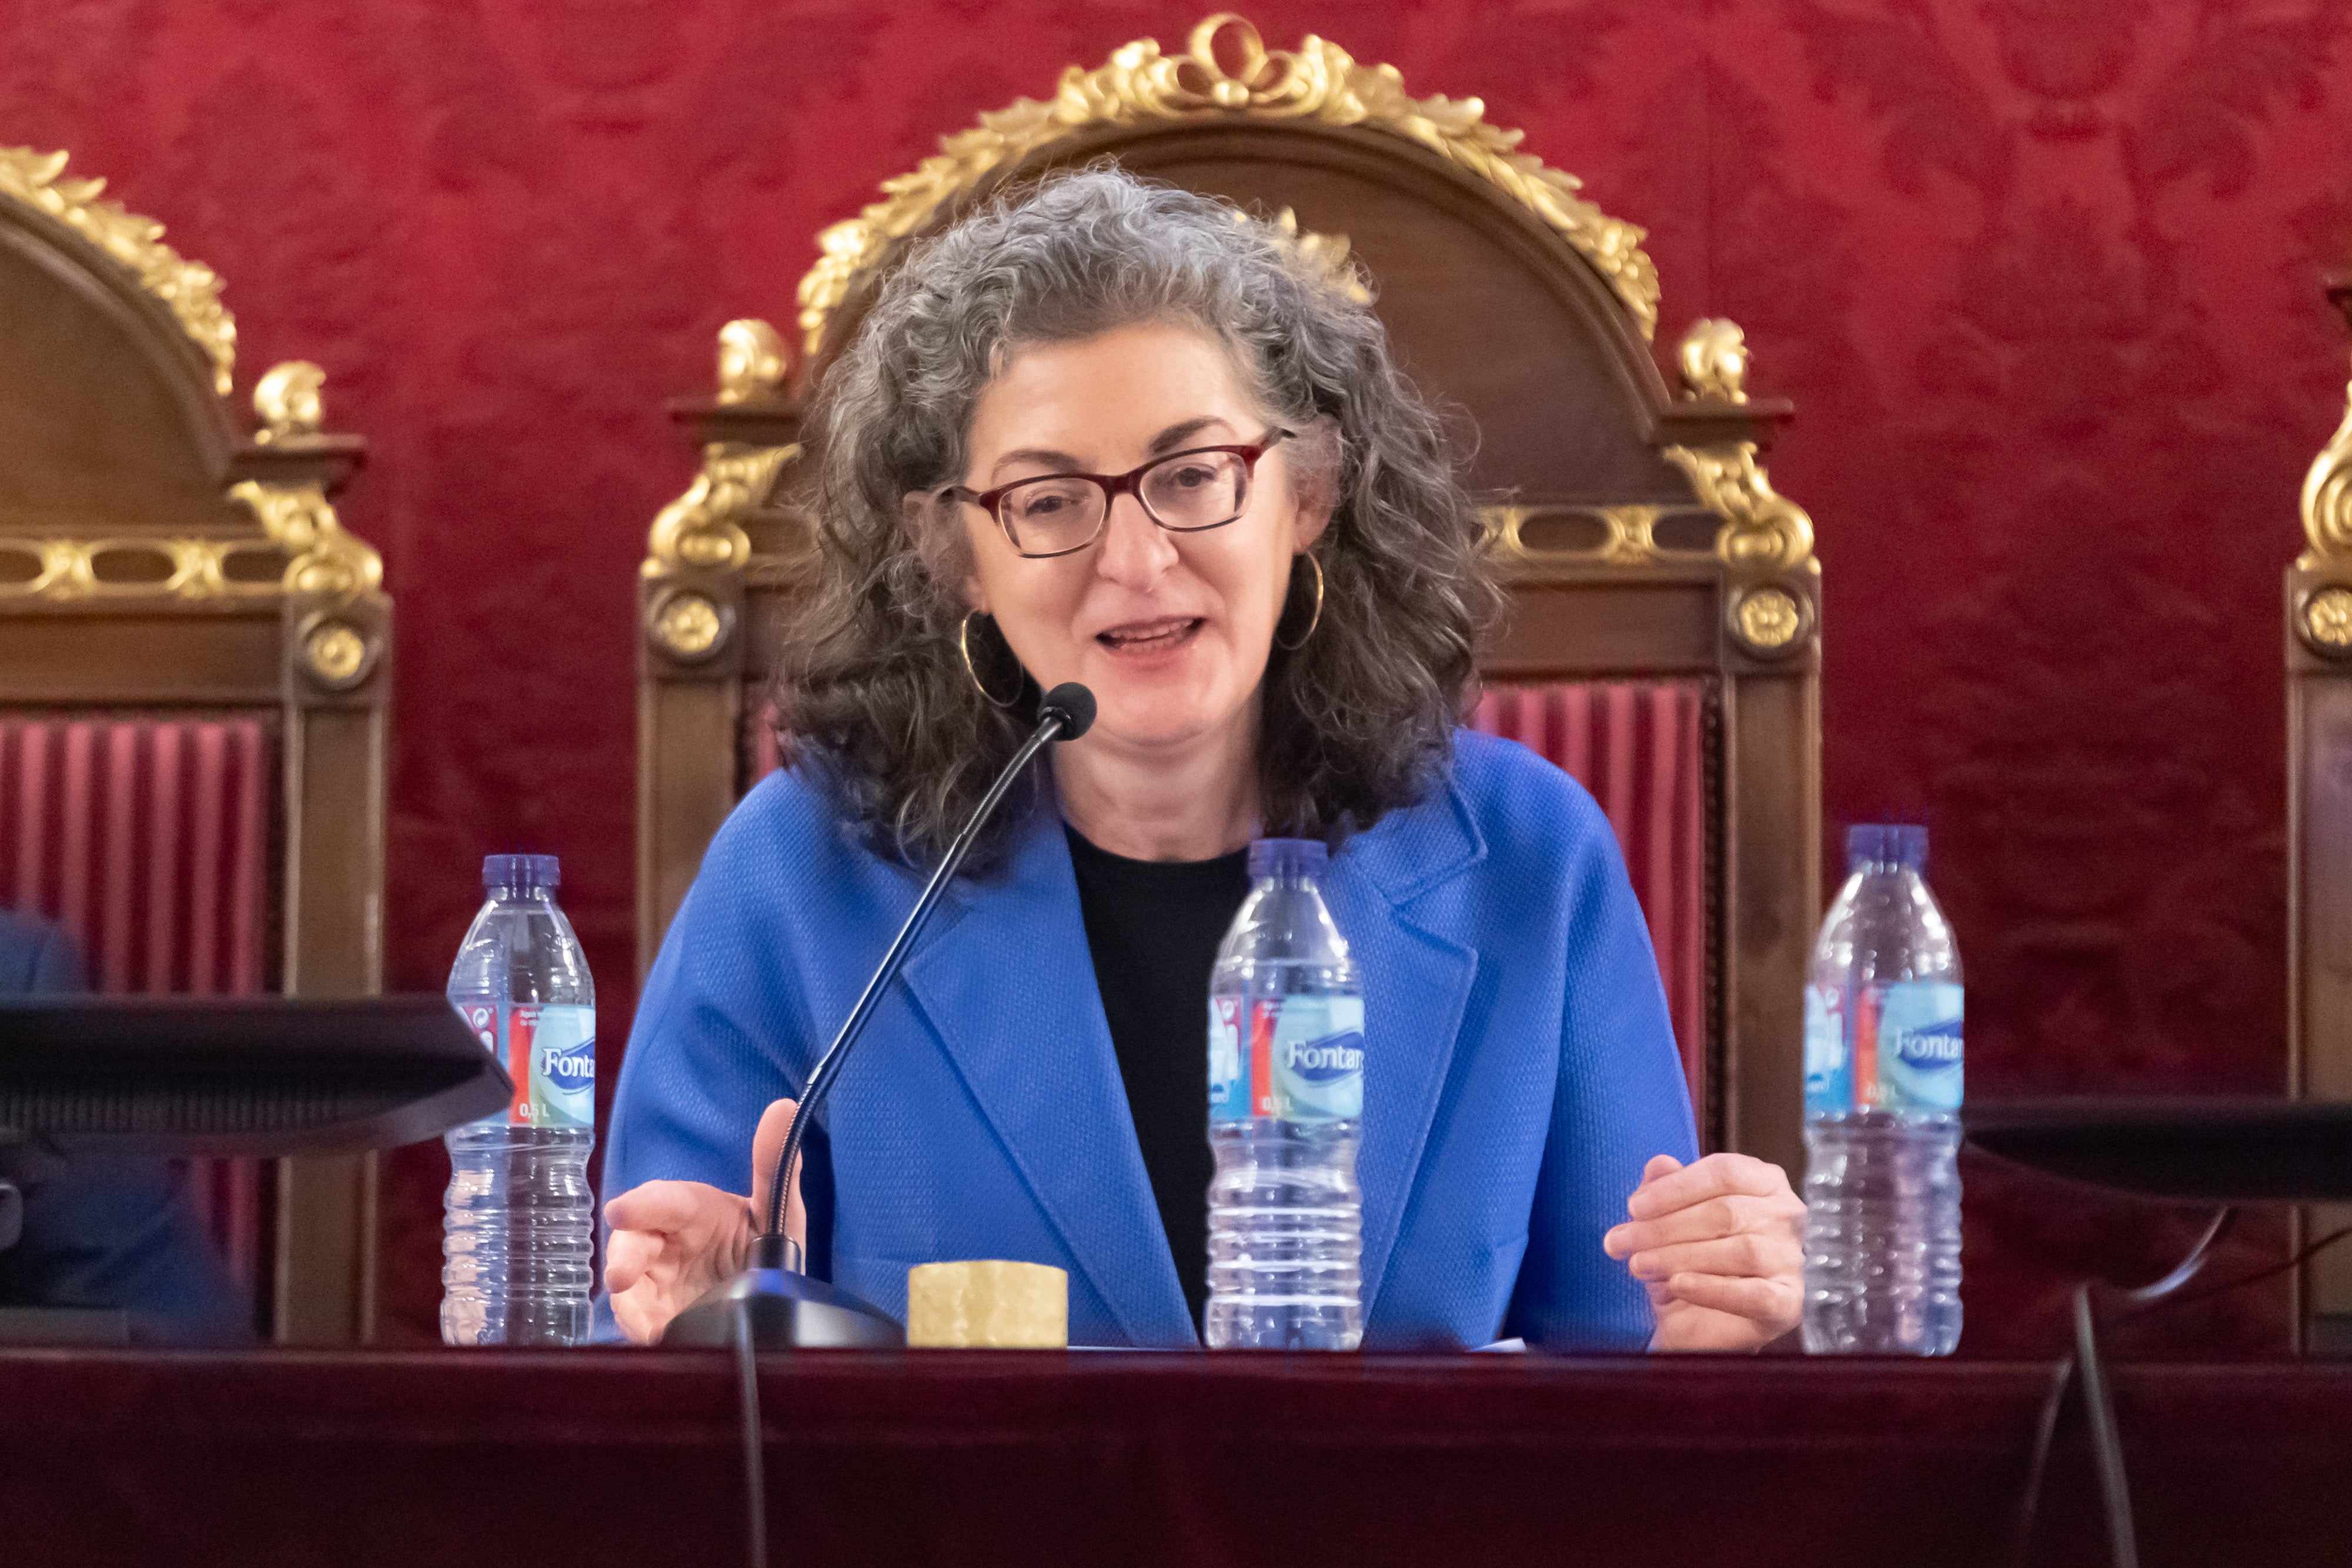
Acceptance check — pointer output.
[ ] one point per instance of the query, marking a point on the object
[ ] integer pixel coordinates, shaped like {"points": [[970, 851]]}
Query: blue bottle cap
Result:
{"points": [[1288, 857], [1885, 844], [519, 873]]}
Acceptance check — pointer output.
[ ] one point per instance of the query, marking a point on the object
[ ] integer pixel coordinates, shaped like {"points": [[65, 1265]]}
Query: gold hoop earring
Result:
{"points": [[963, 646], [1317, 619]]}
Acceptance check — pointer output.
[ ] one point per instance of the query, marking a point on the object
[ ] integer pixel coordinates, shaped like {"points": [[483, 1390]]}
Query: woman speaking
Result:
{"points": [[1117, 433]]}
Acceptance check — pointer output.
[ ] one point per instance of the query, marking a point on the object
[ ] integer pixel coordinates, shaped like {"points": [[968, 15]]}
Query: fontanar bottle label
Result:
{"points": [[1895, 1047], [1292, 1059], [1920, 1064], [549, 1052]]}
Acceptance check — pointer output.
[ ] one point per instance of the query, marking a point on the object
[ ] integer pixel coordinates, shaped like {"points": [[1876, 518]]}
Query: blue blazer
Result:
{"points": [[1519, 1068]]}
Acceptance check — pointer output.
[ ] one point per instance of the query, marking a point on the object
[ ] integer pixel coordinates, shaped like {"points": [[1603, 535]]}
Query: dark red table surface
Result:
{"points": [[438, 1459]]}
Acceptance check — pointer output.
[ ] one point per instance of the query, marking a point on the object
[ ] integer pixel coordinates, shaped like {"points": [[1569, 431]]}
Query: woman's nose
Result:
{"points": [[1135, 549]]}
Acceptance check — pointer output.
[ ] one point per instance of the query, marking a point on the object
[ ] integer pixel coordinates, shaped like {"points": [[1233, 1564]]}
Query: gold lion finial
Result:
{"points": [[190, 288], [1713, 358], [1318, 82], [288, 403], [751, 361]]}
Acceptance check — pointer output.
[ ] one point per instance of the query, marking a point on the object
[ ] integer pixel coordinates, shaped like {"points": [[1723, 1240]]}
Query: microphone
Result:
{"points": [[774, 1301]]}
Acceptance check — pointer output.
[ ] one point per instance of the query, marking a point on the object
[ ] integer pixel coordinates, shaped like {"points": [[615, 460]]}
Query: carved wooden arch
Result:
{"points": [[157, 565], [194, 511], [1155, 113], [1317, 84], [168, 305]]}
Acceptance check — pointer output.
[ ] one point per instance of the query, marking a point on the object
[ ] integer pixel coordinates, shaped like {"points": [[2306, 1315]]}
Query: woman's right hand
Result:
{"points": [[672, 1240]]}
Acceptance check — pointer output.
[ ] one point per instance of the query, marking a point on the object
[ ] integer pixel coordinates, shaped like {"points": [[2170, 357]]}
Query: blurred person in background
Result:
{"points": [[104, 1232]]}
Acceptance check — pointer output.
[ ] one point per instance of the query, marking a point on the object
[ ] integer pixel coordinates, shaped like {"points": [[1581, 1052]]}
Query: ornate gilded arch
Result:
{"points": [[1226, 71], [283, 480], [189, 289], [1318, 82]]}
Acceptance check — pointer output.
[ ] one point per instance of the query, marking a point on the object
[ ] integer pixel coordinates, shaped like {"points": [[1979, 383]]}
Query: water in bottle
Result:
{"points": [[1883, 1075], [517, 1227], [1285, 1108]]}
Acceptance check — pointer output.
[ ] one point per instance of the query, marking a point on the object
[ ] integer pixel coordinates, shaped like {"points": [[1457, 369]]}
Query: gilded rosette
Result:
{"points": [[1768, 619], [190, 288], [1138, 85], [2327, 619]]}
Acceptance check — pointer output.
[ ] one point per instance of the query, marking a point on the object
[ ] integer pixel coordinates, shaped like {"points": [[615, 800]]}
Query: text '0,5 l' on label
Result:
{"points": [[1294, 1059], [549, 1052], [1895, 1047]]}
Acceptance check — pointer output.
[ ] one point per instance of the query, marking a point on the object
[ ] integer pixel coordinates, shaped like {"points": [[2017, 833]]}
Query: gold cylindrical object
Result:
{"points": [[988, 1304]]}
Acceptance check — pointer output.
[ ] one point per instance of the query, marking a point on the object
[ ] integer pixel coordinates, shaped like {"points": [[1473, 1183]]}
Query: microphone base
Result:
{"points": [[787, 1311]]}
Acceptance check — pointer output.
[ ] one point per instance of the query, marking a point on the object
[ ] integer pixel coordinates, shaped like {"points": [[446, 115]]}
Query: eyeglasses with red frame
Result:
{"points": [[1186, 492]]}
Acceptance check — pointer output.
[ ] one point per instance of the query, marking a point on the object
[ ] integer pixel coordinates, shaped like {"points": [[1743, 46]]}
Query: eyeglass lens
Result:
{"points": [[1190, 491]]}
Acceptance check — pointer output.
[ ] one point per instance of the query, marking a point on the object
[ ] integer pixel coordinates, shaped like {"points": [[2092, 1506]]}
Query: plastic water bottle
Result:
{"points": [[517, 1232], [1882, 1077], [1285, 1108]]}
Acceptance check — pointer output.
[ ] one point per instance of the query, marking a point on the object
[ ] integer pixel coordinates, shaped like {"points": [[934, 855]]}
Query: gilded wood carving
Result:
{"points": [[1763, 531], [2328, 497], [191, 289], [326, 561], [1318, 82]]}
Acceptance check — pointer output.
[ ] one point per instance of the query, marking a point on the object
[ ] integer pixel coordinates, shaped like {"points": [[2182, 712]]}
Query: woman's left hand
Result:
{"points": [[1720, 1246]]}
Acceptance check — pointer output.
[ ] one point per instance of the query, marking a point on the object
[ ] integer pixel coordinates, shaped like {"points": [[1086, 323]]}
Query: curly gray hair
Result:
{"points": [[871, 687]]}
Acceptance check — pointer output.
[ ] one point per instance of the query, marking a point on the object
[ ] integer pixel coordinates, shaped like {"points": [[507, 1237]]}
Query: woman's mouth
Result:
{"points": [[1150, 636]]}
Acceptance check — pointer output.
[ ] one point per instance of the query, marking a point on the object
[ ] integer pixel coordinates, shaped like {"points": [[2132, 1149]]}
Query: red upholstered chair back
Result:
{"points": [[192, 678], [1639, 748], [1663, 637], [149, 838]]}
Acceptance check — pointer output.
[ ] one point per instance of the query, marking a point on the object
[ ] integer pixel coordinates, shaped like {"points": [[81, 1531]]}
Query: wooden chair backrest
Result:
{"points": [[2320, 822], [193, 665], [1649, 557]]}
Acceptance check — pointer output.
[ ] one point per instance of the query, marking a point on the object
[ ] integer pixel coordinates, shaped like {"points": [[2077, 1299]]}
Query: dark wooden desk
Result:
{"points": [[448, 1459]]}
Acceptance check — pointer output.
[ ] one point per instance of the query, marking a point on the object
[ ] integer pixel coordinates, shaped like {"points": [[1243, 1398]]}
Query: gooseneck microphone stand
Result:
{"points": [[773, 1304]]}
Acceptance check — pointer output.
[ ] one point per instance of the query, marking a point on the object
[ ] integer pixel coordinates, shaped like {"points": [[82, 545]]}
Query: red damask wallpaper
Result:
{"points": [[2041, 275]]}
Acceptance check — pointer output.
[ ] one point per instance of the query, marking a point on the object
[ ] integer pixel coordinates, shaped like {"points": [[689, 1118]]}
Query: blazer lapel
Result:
{"points": [[1416, 989], [1008, 987]]}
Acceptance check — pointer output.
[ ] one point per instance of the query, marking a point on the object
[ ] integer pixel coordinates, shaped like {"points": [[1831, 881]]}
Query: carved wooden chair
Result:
{"points": [[2319, 827], [1664, 640], [192, 678]]}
